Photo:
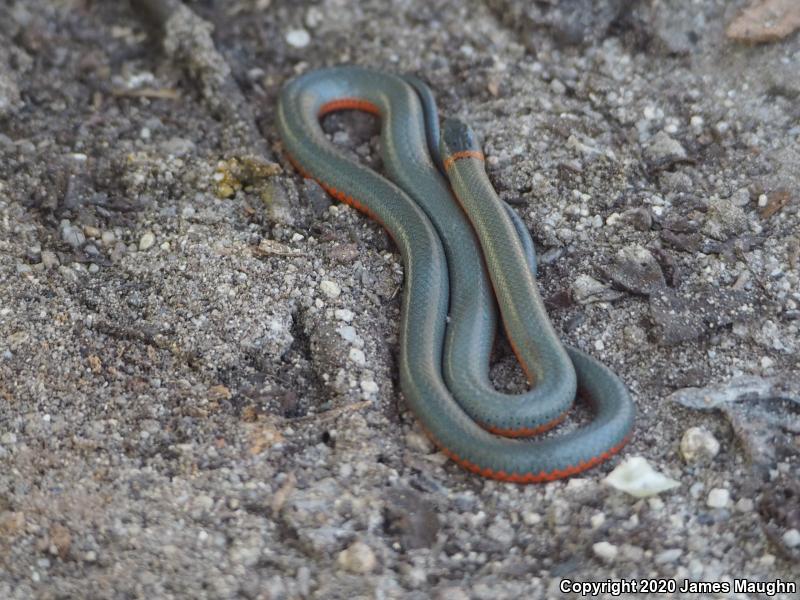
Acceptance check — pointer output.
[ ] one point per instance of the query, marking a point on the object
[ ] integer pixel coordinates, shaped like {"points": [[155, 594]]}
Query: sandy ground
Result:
{"points": [[198, 395]]}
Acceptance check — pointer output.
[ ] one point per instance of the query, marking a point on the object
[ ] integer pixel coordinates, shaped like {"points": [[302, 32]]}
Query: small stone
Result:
{"points": [[597, 520], [357, 356], [724, 219], [502, 532], [108, 237], [50, 259], [636, 477], [586, 289], [369, 387], [605, 550], [299, 38], [668, 556], [745, 505], [357, 558], [330, 288], [557, 87], [664, 150], [640, 218], [147, 240], [314, 17], [90, 231], [718, 498], [791, 538], [348, 333], [698, 445], [531, 518], [741, 197], [343, 314], [72, 235], [419, 442], [636, 270]]}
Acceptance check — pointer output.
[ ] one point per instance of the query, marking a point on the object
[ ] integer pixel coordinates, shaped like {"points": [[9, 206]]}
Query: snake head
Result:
{"points": [[457, 136]]}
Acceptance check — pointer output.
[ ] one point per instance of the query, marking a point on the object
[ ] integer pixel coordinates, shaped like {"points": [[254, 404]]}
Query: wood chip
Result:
{"points": [[267, 247], [765, 21], [775, 202], [162, 93], [279, 497]]}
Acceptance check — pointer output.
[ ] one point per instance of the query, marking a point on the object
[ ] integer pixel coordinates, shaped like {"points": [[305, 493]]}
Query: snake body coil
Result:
{"points": [[463, 261]]}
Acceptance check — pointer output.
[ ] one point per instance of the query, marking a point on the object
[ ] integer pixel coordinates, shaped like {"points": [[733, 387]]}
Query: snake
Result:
{"points": [[469, 264]]}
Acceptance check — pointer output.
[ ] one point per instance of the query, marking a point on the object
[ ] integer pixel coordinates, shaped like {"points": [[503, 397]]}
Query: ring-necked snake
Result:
{"points": [[463, 259]]}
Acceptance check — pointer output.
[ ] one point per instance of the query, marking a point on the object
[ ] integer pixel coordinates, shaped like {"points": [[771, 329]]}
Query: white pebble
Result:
{"points": [[419, 442], [357, 356], [668, 556], [147, 240], [348, 333], [368, 386], [597, 520], [718, 498], [330, 288], [531, 518], [698, 445], [357, 558], [636, 477], [791, 538], [299, 38], [605, 550], [343, 314]]}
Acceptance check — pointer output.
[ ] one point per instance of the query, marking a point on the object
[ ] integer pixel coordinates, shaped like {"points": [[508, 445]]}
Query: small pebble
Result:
{"points": [[419, 442], [791, 538], [597, 520], [330, 288], [368, 386], [531, 518], [557, 87], [636, 477], [668, 556], [343, 314], [357, 356], [357, 558], [49, 259], [605, 550], [718, 498], [698, 445], [299, 38], [348, 333], [147, 240], [72, 235]]}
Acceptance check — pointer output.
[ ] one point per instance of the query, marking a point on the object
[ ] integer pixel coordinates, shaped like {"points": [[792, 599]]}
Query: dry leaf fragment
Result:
{"points": [[775, 202], [765, 21]]}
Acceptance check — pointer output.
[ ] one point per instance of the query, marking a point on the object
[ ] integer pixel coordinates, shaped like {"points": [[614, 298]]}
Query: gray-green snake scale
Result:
{"points": [[466, 255]]}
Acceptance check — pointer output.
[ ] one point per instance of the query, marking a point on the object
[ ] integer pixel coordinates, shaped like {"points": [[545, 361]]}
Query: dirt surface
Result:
{"points": [[197, 355]]}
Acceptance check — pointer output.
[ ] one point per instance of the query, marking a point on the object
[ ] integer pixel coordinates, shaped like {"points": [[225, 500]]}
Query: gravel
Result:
{"points": [[198, 376]]}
